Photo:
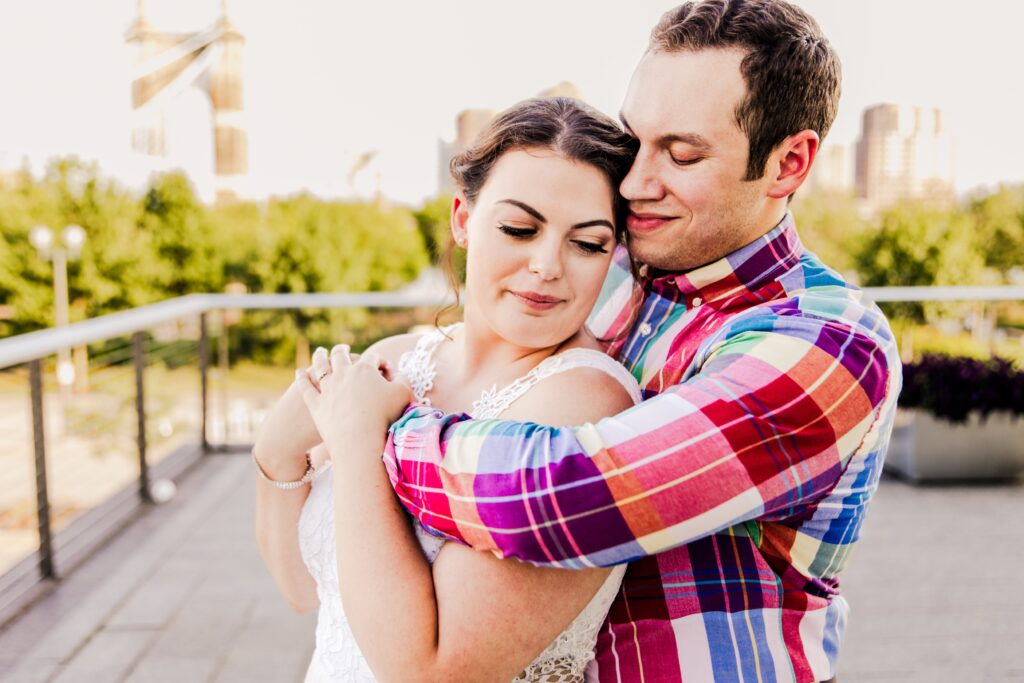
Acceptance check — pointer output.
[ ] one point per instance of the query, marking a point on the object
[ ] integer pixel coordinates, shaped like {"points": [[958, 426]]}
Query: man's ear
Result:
{"points": [[459, 219], [791, 162]]}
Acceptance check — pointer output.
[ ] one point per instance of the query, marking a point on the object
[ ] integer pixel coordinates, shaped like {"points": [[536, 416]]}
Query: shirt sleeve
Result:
{"points": [[778, 408]]}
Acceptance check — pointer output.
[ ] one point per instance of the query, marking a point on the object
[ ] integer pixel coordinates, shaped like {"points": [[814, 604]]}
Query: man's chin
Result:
{"points": [[655, 254]]}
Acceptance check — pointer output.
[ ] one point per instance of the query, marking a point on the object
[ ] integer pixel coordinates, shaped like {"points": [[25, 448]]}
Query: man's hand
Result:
{"points": [[355, 398]]}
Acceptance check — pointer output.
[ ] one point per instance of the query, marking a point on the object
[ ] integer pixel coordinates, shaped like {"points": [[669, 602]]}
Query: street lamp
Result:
{"points": [[72, 238]]}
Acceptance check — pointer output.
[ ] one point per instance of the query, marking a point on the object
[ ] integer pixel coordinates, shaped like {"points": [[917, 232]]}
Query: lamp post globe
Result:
{"points": [[41, 237], [73, 237]]}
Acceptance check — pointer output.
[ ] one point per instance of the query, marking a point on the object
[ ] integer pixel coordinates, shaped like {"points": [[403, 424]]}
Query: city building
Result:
{"points": [[904, 153], [832, 170]]}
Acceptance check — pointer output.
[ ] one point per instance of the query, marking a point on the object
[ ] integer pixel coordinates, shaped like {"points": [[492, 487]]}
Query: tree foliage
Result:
{"points": [[166, 244], [831, 226], [999, 229], [916, 245]]}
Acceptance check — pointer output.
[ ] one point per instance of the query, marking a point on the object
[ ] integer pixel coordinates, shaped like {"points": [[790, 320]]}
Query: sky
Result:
{"points": [[327, 80]]}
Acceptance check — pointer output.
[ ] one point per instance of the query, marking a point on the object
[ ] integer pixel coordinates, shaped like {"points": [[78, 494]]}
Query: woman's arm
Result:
{"points": [[474, 617], [285, 436]]}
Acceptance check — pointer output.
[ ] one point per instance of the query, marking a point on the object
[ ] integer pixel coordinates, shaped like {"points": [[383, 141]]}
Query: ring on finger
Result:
{"points": [[320, 375]]}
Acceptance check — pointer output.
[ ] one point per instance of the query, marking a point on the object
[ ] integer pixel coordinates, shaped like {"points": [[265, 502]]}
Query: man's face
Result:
{"points": [[688, 201]]}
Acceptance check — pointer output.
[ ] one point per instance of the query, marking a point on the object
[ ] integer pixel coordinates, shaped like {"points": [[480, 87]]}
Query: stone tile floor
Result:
{"points": [[936, 588]]}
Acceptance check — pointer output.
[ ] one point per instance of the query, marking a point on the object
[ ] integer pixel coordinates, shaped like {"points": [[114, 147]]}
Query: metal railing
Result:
{"points": [[32, 348]]}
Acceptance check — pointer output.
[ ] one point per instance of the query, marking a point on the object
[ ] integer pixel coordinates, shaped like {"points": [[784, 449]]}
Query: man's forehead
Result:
{"points": [[684, 92]]}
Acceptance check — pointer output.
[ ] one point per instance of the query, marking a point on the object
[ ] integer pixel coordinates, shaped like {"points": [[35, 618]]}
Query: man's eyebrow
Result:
{"points": [[525, 207], [692, 139]]}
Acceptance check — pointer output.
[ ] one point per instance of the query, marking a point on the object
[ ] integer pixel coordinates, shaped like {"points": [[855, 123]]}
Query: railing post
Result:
{"points": [[204, 368], [139, 355], [222, 362], [46, 568]]}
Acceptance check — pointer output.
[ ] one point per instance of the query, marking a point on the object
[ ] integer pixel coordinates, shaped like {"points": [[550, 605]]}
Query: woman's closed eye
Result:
{"points": [[588, 247], [518, 233]]}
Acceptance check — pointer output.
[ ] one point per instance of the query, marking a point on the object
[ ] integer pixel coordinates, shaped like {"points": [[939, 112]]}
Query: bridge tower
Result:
{"points": [[168, 63]]}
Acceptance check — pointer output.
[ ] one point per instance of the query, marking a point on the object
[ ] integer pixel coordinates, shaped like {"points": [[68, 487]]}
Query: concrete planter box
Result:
{"points": [[924, 448]]}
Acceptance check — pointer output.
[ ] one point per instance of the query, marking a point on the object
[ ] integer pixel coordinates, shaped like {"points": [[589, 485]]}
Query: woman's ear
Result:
{"points": [[460, 218]]}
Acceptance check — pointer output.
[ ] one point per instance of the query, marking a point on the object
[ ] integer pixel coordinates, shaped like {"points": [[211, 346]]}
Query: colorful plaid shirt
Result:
{"points": [[736, 490]]}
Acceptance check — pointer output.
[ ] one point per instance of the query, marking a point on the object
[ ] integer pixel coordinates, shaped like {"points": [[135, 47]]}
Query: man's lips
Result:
{"points": [[646, 222], [536, 300]]}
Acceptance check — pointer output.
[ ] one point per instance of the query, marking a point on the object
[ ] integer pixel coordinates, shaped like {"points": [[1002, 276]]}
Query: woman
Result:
{"points": [[539, 214]]}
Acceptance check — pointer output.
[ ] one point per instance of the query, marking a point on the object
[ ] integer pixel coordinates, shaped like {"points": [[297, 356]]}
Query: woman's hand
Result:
{"points": [[355, 398]]}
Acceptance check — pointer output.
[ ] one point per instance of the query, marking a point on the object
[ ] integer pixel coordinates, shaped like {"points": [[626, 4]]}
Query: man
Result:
{"points": [[738, 488]]}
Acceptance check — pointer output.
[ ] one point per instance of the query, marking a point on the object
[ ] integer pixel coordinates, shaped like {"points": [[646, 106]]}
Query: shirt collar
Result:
{"points": [[746, 269]]}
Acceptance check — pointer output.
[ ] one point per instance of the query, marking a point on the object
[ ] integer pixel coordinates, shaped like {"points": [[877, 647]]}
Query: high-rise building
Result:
{"points": [[904, 152], [832, 170]]}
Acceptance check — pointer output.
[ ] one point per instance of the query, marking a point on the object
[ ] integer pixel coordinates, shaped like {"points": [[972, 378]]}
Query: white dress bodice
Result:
{"points": [[337, 656]]}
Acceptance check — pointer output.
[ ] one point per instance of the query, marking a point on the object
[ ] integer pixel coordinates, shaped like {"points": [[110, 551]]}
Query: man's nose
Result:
{"points": [[642, 180]]}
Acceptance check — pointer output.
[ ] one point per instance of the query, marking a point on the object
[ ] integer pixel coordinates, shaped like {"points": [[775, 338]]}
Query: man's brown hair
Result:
{"points": [[791, 72]]}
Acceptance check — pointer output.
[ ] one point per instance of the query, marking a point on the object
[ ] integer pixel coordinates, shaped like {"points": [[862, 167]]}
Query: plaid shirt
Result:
{"points": [[736, 490]]}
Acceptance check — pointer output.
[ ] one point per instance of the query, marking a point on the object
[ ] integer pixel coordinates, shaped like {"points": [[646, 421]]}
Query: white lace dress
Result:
{"points": [[337, 657]]}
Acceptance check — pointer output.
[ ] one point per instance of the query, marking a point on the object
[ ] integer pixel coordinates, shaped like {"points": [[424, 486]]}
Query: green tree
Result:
{"points": [[830, 225], [179, 235], [108, 275], [434, 220], [915, 245], [999, 222]]}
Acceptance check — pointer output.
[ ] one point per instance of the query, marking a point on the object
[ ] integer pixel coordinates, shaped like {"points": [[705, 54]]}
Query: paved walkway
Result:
{"points": [[182, 596]]}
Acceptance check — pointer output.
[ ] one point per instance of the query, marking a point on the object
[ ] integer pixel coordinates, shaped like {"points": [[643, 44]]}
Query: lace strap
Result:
{"points": [[419, 365], [494, 402]]}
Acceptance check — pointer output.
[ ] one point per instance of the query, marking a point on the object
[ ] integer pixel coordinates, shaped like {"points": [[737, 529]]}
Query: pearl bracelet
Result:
{"points": [[309, 476]]}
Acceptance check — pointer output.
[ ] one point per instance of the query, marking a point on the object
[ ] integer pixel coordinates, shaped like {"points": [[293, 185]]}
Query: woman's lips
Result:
{"points": [[538, 302], [645, 222]]}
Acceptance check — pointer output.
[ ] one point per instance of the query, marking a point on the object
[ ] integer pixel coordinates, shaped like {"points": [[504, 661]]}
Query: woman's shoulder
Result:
{"points": [[578, 385], [392, 348]]}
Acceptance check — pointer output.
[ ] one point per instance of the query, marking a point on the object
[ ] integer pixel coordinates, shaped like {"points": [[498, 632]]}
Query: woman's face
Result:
{"points": [[540, 237]]}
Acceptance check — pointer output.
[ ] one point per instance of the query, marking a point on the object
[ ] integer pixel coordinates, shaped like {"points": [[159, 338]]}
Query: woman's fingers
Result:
{"points": [[340, 358], [372, 358], [310, 396], [320, 368]]}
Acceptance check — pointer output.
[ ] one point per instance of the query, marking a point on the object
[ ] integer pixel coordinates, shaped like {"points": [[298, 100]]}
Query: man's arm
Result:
{"points": [[767, 426]]}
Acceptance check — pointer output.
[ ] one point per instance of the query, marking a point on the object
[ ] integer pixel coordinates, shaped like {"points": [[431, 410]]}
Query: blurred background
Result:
{"points": [[195, 193]]}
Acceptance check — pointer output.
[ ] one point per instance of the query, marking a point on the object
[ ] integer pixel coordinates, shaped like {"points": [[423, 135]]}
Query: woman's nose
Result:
{"points": [[546, 262]]}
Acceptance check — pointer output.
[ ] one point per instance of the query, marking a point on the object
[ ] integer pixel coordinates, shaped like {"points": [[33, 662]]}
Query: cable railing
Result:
{"points": [[81, 457], [153, 399]]}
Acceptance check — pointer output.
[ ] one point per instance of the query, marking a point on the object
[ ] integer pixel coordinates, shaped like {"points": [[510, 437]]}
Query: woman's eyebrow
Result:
{"points": [[591, 224], [540, 217], [525, 207]]}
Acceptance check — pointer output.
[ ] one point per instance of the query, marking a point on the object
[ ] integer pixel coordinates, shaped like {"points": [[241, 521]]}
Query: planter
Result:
{"points": [[924, 448]]}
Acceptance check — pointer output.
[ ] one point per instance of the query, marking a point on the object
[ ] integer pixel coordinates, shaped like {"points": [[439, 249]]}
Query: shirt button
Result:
{"points": [[696, 302], [645, 329]]}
